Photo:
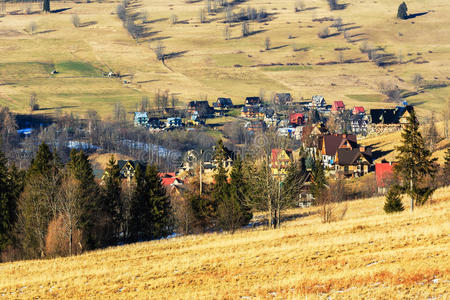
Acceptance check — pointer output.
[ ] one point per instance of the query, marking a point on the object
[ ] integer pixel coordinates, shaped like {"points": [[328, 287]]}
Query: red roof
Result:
{"points": [[167, 175], [168, 181], [338, 105], [277, 151], [296, 118], [358, 110], [384, 172]]}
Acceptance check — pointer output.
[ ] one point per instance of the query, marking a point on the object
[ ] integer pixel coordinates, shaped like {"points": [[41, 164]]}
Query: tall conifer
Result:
{"points": [[414, 162]]}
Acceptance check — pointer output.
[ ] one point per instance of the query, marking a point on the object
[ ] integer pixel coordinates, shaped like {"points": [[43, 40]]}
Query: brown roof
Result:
{"points": [[347, 157], [333, 142]]}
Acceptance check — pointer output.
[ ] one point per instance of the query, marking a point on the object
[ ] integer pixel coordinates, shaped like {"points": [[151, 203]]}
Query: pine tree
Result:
{"points": [[46, 6], [111, 198], [402, 12], [318, 180], [447, 167], [38, 203], [93, 223], [414, 162], [393, 200], [151, 214], [227, 205], [239, 189], [8, 199]]}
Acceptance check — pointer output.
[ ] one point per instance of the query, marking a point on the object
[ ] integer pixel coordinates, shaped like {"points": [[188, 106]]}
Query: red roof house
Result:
{"points": [[169, 179], [358, 110], [338, 106], [384, 173], [296, 119]]}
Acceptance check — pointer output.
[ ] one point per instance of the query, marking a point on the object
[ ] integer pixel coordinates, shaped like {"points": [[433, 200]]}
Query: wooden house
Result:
{"points": [[329, 144], [353, 162], [252, 112], [283, 99], [253, 101], [296, 119], [338, 106], [202, 108], [279, 162]]}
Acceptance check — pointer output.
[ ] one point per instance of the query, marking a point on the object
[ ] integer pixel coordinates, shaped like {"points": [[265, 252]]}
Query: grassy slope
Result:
{"points": [[366, 255], [207, 66]]}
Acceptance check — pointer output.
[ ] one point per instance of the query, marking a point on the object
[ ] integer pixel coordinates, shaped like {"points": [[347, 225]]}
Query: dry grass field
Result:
{"points": [[367, 255], [205, 61]]}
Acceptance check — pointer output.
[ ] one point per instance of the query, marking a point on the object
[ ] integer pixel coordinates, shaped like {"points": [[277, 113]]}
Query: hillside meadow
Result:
{"points": [[204, 63], [365, 255]]}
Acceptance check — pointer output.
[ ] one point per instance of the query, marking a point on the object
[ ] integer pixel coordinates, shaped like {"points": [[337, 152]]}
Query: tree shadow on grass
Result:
{"points": [[156, 20], [45, 31], [379, 153], [60, 10], [159, 38], [412, 16], [86, 24], [278, 47], [58, 107], [174, 54]]}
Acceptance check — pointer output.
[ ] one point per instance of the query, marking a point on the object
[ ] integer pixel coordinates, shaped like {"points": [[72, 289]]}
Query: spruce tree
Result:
{"points": [[151, 212], [46, 6], [38, 203], [93, 225], [446, 171], [10, 188], [111, 198], [402, 12], [414, 162], [240, 189], [318, 180], [393, 200]]}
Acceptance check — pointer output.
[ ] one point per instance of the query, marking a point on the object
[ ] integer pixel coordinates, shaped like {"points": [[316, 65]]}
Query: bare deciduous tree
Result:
{"points": [[75, 20], [201, 15], [323, 33], [267, 43], [227, 32], [33, 102], [245, 29], [173, 19]]}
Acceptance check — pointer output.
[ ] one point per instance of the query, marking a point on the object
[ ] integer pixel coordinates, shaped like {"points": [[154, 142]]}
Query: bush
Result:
{"points": [[402, 12], [323, 33], [393, 201], [75, 21]]}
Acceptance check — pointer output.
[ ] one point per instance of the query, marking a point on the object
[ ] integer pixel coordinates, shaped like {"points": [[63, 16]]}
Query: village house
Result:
{"points": [[201, 107], [173, 123], [170, 179], [253, 101], [388, 120], [338, 106], [329, 144], [296, 119], [141, 119], [283, 99], [358, 110], [317, 102], [252, 112], [384, 173], [359, 124], [223, 103], [254, 127], [127, 169], [353, 162], [279, 162]]}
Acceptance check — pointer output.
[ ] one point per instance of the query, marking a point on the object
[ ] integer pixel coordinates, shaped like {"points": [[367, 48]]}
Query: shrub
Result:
{"points": [[402, 12], [267, 43], [75, 20], [323, 33], [393, 201]]}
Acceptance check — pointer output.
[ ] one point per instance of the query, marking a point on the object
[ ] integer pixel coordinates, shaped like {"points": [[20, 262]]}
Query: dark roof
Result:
{"points": [[389, 116], [224, 101], [334, 141], [252, 100], [195, 104], [347, 157]]}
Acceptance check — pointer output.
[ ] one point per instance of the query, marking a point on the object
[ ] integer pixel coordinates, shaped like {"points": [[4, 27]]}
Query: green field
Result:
{"points": [[202, 63]]}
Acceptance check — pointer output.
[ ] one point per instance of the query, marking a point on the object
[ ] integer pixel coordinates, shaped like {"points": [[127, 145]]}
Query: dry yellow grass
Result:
{"points": [[366, 255], [207, 66]]}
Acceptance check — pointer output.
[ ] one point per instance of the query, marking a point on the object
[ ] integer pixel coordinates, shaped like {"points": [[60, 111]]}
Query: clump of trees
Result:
{"points": [[402, 12], [62, 210]]}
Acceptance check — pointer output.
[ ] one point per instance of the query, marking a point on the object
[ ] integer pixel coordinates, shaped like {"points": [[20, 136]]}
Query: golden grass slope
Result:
{"points": [[366, 255], [207, 63]]}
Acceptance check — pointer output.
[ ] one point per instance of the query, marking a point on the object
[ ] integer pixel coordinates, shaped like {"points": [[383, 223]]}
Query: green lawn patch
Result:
{"points": [[77, 68]]}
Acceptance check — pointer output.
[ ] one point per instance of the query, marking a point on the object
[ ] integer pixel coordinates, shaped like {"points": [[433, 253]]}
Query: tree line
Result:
{"points": [[54, 209]]}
